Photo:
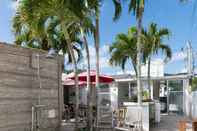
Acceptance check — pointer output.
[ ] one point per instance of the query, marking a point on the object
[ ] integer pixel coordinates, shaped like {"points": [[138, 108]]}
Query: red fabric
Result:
{"points": [[83, 77], [70, 82]]}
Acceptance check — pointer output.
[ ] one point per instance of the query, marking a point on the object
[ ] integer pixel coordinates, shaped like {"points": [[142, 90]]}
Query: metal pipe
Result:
{"points": [[60, 91], [32, 118], [39, 93], [39, 78]]}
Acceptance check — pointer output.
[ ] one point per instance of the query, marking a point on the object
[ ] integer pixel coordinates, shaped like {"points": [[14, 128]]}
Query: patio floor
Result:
{"points": [[170, 123]]}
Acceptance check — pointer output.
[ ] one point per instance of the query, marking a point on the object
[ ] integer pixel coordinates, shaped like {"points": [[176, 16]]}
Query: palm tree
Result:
{"points": [[136, 6], [84, 26], [49, 37], [89, 122], [65, 11], [94, 6], [153, 42], [87, 28], [124, 49], [28, 33]]}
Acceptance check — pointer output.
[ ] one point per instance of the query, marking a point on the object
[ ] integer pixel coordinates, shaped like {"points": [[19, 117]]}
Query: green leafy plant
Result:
{"points": [[194, 84]]}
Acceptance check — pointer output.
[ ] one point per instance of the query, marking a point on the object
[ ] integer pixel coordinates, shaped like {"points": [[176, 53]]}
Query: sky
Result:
{"points": [[179, 18]]}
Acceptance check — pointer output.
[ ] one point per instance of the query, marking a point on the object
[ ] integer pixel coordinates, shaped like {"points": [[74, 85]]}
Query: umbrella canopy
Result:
{"points": [[70, 82], [83, 77]]}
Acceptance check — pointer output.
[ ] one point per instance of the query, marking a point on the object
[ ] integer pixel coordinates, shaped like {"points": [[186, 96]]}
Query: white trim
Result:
{"points": [[175, 77]]}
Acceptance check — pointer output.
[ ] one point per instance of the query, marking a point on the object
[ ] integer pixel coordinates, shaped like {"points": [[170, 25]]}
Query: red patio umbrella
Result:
{"points": [[102, 78], [70, 82]]}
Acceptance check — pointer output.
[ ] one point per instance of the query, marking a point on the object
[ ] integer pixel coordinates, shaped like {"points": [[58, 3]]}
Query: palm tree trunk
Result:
{"points": [[149, 81], [134, 67], [74, 62], [89, 103], [97, 41], [139, 88]]}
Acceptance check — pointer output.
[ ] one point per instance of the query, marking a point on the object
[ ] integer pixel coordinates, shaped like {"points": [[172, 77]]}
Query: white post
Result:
{"points": [[129, 90], [167, 96], [189, 59]]}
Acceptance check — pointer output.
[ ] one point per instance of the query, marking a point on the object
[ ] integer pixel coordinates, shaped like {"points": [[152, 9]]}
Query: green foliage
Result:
{"points": [[124, 49], [145, 94], [135, 6], [153, 42], [38, 24], [194, 84]]}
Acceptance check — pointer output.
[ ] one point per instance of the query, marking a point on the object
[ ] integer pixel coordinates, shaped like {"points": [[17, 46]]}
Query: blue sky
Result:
{"points": [[178, 18]]}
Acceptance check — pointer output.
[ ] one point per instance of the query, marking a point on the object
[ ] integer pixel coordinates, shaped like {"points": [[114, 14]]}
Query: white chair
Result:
{"points": [[133, 119]]}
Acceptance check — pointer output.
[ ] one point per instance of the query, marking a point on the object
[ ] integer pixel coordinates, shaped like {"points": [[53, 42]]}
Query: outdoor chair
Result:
{"points": [[132, 120], [121, 113]]}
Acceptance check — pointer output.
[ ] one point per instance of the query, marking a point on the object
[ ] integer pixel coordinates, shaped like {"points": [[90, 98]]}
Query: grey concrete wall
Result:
{"points": [[19, 89]]}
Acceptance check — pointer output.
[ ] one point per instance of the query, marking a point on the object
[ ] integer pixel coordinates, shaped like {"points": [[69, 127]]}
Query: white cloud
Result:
{"points": [[184, 70], [104, 56], [15, 4], [178, 56]]}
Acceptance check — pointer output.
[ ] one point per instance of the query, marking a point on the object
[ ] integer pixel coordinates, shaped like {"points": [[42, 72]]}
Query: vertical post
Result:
{"points": [[39, 78], [152, 90], [32, 118], [39, 93], [167, 96], [129, 90], [60, 90], [190, 59]]}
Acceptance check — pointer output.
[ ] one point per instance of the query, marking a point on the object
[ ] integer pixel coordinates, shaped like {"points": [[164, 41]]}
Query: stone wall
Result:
{"points": [[20, 89]]}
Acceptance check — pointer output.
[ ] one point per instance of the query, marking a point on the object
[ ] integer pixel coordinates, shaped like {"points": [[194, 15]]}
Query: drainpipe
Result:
{"points": [[34, 109], [60, 91], [32, 118], [39, 78], [39, 93]]}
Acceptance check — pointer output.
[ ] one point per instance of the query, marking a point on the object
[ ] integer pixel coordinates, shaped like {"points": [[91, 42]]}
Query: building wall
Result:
{"points": [[156, 68], [19, 89]]}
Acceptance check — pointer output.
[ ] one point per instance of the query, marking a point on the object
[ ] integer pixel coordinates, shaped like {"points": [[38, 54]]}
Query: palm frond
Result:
{"points": [[118, 9]]}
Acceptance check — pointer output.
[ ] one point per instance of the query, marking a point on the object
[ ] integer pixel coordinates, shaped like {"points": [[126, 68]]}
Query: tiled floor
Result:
{"points": [[170, 123]]}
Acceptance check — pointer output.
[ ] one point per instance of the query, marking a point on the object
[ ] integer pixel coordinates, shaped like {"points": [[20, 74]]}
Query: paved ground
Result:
{"points": [[170, 123]]}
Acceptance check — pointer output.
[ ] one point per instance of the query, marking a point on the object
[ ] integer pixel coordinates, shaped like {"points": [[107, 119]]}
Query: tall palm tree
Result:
{"points": [[87, 28], [136, 6], [65, 11], [94, 6], [124, 49], [153, 42]]}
